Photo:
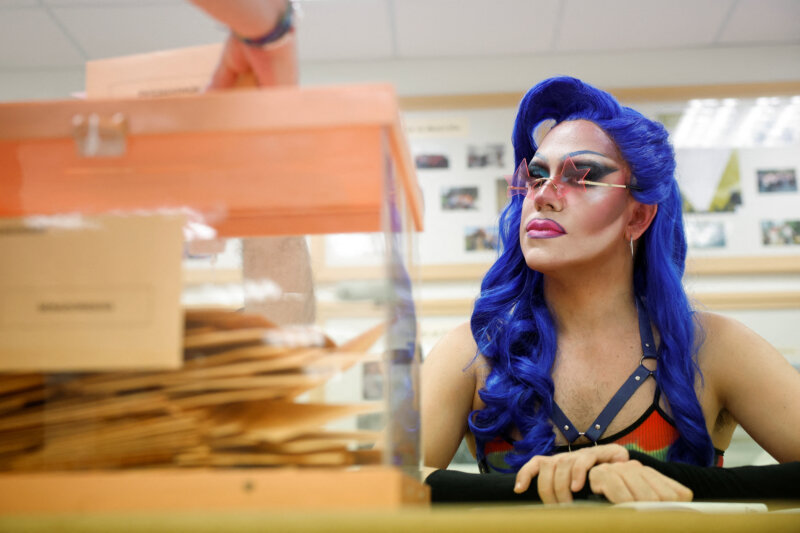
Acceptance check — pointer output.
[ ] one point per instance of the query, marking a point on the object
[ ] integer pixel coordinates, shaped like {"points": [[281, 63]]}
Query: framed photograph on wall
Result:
{"points": [[780, 232], [477, 239], [486, 155], [431, 161], [460, 198], [705, 234], [776, 180]]}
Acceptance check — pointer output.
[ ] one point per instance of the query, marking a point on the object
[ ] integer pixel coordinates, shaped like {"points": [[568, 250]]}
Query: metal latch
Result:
{"points": [[97, 136]]}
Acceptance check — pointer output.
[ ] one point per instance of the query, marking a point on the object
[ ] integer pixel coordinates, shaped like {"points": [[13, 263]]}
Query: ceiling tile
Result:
{"points": [[588, 25], [345, 29], [763, 21], [44, 84], [105, 3], [18, 3], [114, 30], [430, 28], [46, 45]]}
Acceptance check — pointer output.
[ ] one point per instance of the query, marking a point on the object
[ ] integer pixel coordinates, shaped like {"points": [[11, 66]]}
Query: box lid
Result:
{"points": [[253, 162]]}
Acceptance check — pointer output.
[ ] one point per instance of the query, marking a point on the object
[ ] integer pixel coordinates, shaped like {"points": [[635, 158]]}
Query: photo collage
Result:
{"points": [[461, 174], [480, 158], [737, 201], [735, 195]]}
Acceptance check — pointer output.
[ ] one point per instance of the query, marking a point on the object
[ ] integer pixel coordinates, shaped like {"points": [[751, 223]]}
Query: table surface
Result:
{"points": [[576, 518]]}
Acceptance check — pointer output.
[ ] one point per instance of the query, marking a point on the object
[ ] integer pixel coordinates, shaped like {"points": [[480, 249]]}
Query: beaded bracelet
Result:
{"points": [[282, 28]]}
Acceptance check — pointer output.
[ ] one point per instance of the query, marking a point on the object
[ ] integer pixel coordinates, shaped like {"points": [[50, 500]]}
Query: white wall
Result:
{"points": [[413, 77], [690, 66]]}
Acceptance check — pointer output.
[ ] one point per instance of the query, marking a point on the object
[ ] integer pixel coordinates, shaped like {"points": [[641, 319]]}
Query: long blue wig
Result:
{"points": [[511, 323]]}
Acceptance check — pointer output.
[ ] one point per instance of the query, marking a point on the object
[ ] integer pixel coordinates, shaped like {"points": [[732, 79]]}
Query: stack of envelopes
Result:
{"points": [[234, 402]]}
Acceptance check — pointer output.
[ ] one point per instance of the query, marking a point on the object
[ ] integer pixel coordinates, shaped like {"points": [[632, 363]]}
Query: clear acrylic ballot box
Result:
{"points": [[206, 302]]}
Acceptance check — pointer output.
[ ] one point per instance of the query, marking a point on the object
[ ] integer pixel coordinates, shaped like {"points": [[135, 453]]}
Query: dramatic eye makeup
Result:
{"points": [[597, 171], [538, 170]]}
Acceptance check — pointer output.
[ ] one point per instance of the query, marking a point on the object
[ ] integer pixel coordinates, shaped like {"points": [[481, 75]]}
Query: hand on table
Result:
{"points": [[610, 473], [631, 481], [562, 474]]}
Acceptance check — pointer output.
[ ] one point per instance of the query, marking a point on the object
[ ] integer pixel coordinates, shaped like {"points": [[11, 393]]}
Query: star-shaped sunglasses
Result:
{"points": [[571, 178]]}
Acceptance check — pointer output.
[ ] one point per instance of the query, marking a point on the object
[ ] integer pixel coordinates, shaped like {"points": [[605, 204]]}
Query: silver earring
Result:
{"points": [[631, 246]]}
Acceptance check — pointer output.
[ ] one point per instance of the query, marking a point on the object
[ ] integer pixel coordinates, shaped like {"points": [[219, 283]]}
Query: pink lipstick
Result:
{"points": [[544, 228]]}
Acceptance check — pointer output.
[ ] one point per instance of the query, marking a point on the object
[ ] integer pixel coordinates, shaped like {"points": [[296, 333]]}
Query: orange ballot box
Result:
{"points": [[256, 162], [176, 304]]}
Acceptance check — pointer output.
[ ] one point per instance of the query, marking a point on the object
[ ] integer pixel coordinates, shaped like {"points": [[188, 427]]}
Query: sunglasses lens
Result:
{"points": [[518, 183]]}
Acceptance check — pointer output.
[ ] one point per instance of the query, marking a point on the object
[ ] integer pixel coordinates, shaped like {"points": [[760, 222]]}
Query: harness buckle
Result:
{"points": [[580, 434]]}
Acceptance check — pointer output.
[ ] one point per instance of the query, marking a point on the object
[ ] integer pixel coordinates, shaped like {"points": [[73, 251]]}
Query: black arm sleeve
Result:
{"points": [[450, 486], [744, 482], [707, 483]]}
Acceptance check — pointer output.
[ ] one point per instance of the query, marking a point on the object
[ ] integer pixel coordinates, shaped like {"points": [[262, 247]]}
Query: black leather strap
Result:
{"points": [[631, 385]]}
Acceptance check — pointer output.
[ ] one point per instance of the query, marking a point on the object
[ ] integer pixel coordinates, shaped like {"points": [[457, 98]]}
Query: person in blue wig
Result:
{"points": [[582, 339]]}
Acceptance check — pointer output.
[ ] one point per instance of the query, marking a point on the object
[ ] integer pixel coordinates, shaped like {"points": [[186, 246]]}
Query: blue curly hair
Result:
{"points": [[511, 323]]}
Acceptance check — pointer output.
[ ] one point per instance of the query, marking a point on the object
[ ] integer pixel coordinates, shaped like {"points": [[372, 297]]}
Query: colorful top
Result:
{"points": [[653, 433]]}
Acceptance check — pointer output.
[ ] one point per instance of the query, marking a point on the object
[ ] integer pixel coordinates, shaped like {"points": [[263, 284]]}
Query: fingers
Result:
{"points": [[222, 78], [557, 475], [276, 66], [231, 64], [632, 481], [562, 474], [588, 457], [608, 453], [526, 473], [610, 483], [614, 453], [544, 483], [562, 480], [667, 489], [639, 483], [553, 476], [580, 467]]}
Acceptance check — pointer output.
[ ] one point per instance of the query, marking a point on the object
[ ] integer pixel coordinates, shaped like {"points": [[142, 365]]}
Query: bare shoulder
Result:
{"points": [[714, 323], [449, 381], [732, 356], [455, 362], [457, 345], [725, 339], [461, 334], [753, 382]]}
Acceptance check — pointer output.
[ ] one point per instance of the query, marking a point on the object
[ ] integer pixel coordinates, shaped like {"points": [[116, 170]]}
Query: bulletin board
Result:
{"points": [[741, 201], [462, 158]]}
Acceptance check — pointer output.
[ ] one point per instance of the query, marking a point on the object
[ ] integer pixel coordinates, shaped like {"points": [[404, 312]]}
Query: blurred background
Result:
{"points": [[723, 76]]}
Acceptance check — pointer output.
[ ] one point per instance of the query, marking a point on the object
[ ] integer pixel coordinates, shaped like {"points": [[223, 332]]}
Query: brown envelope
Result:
{"points": [[90, 293], [163, 73]]}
